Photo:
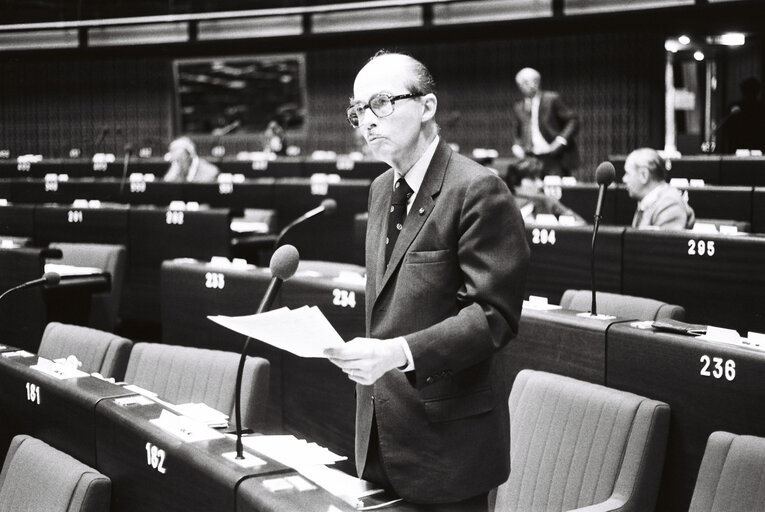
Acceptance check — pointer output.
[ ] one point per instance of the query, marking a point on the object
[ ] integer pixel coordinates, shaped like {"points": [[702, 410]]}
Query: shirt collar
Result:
{"points": [[192, 169], [416, 174], [652, 196]]}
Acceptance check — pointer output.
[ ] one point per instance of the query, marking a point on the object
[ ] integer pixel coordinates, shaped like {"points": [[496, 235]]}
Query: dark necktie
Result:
{"points": [[401, 194]]}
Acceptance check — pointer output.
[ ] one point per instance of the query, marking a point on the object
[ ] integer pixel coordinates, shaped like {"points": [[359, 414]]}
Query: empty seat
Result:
{"points": [[98, 351], [575, 444], [104, 307], [626, 306], [732, 475], [187, 374], [38, 477]]}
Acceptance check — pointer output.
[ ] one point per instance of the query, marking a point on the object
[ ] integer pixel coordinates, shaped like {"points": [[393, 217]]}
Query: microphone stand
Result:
{"points": [[597, 218], [273, 289]]}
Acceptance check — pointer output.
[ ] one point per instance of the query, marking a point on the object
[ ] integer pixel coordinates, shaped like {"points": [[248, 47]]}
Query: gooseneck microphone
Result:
{"points": [[604, 176], [328, 207], [283, 265], [48, 279]]}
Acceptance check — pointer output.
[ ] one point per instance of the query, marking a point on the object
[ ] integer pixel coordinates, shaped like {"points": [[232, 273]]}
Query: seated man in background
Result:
{"points": [[526, 183], [186, 165], [659, 204]]}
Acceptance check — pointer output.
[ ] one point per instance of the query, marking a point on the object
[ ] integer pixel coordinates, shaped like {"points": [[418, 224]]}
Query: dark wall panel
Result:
{"points": [[614, 82]]}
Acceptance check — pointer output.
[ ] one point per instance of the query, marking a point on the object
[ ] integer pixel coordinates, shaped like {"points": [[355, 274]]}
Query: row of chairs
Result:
{"points": [[177, 374], [576, 446]]}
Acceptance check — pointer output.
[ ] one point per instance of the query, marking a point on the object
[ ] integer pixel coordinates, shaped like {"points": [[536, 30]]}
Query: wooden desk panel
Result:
{"points": [[558, 341], [562, 261], [725, 287], [17, 220], [683, 372], [196, 477], [66, 223], [60, 412]]}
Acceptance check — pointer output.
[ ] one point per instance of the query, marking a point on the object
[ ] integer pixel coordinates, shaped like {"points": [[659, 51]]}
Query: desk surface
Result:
{"points": [[708, 385]]}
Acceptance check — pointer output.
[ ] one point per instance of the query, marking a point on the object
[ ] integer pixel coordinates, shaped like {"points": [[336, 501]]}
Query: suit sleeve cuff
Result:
{"points": [[408, 353], [562, 140]]}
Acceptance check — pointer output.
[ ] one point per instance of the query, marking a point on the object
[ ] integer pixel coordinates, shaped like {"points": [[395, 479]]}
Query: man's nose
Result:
{"points": [[368, 118]]}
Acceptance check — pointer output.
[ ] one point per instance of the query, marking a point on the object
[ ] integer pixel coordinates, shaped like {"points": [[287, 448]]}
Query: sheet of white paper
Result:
{"points": [[291, 451], [185, 429], [305, 331]]}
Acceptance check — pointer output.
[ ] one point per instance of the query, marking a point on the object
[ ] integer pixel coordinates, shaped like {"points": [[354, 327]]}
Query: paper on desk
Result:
{"points": [[57, 370], [203, 413], [71, 270], [291, 451], [184, 428], [305, 331]]}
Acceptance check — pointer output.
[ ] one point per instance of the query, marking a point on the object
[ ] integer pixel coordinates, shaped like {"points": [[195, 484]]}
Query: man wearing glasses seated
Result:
{"points": [[446, 259]]}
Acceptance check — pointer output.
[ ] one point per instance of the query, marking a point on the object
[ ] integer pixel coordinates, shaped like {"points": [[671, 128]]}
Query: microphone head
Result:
{"points": [[51, 278], [329, 205], [605, 173], [284, 262]]}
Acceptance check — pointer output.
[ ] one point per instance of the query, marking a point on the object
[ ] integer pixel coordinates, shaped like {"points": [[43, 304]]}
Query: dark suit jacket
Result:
{"points": [[453, 288], [555, 119]]}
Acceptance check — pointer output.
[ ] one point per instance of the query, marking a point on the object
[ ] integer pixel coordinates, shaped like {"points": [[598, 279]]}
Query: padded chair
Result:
{"points": [[98, 351], [732, 475], [626, 306], [104, 307], [38, 477], [188, 374], [581, 446]]}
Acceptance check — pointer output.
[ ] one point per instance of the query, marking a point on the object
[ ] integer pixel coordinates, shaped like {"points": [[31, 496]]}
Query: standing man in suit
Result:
{"points": [[186, 165], [660, 205], [446, 259], [544, 127]]}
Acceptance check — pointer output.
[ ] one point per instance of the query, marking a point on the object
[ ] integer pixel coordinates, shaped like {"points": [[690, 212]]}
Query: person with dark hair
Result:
{"points": [[744, 126], [660, 205], [528, 188], [186, 165], [446, 260], [544, 127]]}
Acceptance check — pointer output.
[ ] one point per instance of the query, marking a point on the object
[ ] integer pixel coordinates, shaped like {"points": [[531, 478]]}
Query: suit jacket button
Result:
{"points": [[429, 380]]}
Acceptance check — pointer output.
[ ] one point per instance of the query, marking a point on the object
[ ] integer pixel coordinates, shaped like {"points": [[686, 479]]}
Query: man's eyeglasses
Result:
{"points": [[381, 105]]}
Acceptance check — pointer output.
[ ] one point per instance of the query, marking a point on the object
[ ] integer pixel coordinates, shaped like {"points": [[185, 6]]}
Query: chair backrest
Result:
{"points": [[732, 475], [575, 444], [104, 307], [626, 306], [188, 374], [36, 476], [98, 351]]}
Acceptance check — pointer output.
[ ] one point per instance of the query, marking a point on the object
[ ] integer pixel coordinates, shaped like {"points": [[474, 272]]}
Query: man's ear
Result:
{"points": [[430, 104], [643, 174]]}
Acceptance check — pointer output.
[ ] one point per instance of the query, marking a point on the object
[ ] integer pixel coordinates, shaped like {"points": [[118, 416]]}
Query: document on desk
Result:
{"points": [[305, 331]]}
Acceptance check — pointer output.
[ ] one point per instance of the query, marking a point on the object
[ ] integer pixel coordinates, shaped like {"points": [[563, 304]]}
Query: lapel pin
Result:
{"points": [[422, 211]]}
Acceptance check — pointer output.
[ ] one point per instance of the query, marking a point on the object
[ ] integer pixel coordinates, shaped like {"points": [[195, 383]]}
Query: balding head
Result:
{"points": [[644, 169], [528, 80], [399, 134]]}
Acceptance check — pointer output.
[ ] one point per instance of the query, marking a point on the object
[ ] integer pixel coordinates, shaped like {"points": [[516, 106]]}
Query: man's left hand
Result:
{"points": [[367, 359]]}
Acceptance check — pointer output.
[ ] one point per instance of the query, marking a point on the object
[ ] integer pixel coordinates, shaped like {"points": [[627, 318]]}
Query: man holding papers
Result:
{"points": [[446, 259]]}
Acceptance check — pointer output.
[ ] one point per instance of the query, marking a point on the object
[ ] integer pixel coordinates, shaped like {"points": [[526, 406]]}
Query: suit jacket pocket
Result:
{"points": [[459, 406], [428, 256]]}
